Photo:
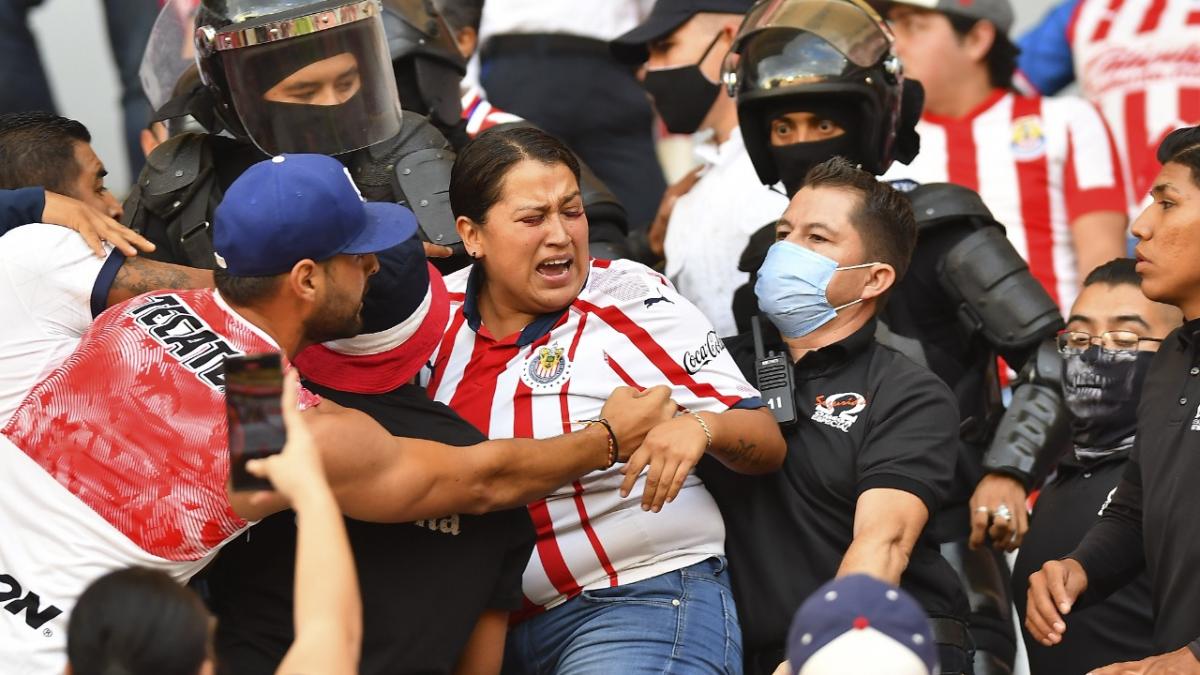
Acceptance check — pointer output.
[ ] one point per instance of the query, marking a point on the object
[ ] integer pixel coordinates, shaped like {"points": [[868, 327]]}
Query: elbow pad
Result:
{"points": [[1035, 426], [996, 293]]}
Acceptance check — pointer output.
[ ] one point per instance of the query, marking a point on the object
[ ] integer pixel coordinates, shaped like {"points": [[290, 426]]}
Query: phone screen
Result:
{"points": [[253, 385]]}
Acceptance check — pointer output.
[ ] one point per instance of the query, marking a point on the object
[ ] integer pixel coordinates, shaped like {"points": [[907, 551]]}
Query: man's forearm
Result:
{"points": [[746, 441], [383, 478], [883, 559]]}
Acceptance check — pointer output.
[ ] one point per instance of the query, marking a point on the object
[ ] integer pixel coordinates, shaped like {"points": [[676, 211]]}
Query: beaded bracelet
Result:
{"points": [[613, 448]]}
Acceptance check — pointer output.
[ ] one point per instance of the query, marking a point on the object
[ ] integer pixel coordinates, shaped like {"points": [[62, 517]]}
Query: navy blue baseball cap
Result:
{"points": [[295, 207], [859, 625]]}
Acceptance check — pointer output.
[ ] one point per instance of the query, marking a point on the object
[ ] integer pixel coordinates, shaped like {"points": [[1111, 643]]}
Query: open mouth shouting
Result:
{"points": [[556, 271]]}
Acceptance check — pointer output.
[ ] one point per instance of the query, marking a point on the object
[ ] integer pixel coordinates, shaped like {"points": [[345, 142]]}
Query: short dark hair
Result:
{"points": [[461, 14], [244, 291], [1115, 272], [137, 621], [1001, 59], [1182, 146], [884, 218], [479, 171], [38, 149]]}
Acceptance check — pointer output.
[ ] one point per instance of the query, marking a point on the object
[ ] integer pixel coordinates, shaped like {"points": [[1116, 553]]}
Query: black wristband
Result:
{"points": [[613, 447]]}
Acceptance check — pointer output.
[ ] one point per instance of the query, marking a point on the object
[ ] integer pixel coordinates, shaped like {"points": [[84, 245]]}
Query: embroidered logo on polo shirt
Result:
{"points": [[1196, 420], [546, 367], [839, 411]]}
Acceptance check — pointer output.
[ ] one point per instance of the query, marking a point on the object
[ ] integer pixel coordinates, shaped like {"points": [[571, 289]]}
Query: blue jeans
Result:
{"points": [[679, 622]]}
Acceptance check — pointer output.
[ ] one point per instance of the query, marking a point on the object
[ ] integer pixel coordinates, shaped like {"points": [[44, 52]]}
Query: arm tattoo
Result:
{"points": [[742, 452], [139, 275]]}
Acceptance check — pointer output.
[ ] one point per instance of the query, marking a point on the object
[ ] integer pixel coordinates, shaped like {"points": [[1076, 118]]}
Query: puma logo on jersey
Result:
{"points": [[650, 302], [186, 337]]}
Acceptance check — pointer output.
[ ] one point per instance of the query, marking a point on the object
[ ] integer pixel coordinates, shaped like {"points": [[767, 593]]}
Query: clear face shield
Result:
{"points": [[170, 51], [834, 37], [308, 77]]}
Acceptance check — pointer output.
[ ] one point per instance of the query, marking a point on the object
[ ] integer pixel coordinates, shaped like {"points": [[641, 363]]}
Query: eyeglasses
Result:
{"points": [[1077, 341]]}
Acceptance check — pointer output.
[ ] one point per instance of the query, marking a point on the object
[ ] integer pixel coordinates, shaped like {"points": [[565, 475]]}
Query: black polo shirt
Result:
{"points": [[1116, 630], [868, 418], [423, 584], [1152, 519]]}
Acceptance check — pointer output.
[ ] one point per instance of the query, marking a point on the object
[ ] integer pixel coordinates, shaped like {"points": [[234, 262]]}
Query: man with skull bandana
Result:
{"points": [[1112, 335]]}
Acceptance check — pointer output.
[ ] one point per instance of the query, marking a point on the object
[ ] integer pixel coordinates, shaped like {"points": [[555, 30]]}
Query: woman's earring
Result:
{"points": [[473, 254]]}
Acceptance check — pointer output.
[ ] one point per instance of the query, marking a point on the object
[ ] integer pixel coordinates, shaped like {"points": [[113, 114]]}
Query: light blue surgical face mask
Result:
{"points": [[791, 288]]}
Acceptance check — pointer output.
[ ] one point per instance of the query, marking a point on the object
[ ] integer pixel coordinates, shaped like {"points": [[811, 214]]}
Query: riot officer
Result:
{"points": [[282, 76], [817, 78]]}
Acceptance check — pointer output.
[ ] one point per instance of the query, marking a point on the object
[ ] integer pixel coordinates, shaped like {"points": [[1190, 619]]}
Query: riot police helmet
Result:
{"points": [[310, 76], [834, 57], [425, 58]]}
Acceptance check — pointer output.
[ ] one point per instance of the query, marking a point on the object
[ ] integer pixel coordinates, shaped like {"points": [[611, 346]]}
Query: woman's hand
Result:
{"points": [[632, 414], [671, 450], [92, 225], [297, 472]]}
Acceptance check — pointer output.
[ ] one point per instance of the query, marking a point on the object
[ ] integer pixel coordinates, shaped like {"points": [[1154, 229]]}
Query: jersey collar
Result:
{"points": [[537, 329]]}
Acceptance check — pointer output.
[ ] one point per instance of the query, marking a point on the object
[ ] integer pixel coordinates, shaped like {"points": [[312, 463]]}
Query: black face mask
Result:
{"points": [[682, 95], [1101, 389], [793, 161], [319, 129]]}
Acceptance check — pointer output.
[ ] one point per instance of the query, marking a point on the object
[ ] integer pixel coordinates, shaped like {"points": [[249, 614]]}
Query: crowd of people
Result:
{"points": [[898, 373]]}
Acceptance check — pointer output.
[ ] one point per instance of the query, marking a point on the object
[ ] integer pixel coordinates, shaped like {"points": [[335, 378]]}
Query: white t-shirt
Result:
{"points": [[48, 277], [711, 225]]}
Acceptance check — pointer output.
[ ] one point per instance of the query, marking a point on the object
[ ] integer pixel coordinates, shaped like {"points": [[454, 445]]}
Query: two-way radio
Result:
{"points": [[773, 371]]}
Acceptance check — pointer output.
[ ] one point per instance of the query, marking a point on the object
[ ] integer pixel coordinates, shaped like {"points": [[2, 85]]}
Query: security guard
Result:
{"points": [[817, 78], [873, 439], [278, 77]]}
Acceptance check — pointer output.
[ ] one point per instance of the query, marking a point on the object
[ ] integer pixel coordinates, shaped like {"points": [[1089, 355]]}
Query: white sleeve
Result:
{"points": [[667, 340], [47, 279]]}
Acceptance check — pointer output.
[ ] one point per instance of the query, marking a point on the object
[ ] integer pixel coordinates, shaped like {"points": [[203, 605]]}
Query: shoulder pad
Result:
{"points": [[936, 204], [174, 165]]}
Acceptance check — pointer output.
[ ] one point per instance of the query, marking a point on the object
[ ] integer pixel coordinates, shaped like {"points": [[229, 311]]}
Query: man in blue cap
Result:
{"points": [[118, 458]]}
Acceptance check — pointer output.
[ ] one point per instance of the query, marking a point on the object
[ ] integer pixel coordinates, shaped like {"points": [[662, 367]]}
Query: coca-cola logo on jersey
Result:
{"points": [[1116, 68], [694, 360]]}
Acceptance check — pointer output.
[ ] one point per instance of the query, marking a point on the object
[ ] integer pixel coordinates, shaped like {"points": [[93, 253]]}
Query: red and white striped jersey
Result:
{"points": [[481, 115], [1038, 163], [119, 457], [627, 327], [1139, 61]]}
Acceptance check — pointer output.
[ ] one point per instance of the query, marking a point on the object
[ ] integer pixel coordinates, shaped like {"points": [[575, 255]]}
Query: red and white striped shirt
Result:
{"points": [[481, 115], [1139, 61], [1038, 163], [627, 327], [118, 458]]}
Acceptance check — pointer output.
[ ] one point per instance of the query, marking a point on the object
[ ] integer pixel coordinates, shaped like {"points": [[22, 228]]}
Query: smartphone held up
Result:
{"points": [[253, 386]]}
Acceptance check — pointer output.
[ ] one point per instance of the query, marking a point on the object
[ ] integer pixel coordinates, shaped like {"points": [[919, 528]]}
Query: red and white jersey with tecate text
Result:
{"points": [[628, 326], [1038, 163], [119, 457]]}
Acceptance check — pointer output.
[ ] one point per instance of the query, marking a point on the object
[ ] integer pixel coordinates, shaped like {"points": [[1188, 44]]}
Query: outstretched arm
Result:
{"points": [[382, 478], [887, 523]]}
